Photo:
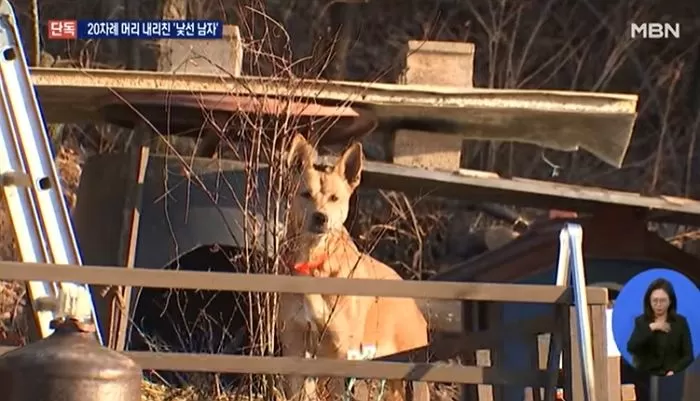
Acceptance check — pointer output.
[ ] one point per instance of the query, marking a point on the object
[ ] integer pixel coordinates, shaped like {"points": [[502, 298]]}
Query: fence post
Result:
{"points": [[120, 300], [492, 311], [573, 386], [599, 334]]}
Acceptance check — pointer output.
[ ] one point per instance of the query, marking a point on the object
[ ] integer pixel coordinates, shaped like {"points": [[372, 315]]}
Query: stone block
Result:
{"points": [[211, 56], [429, 150], [440, 64]]}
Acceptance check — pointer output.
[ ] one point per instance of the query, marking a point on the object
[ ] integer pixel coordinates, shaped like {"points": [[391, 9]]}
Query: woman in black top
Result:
{"points": [[661, 344]]}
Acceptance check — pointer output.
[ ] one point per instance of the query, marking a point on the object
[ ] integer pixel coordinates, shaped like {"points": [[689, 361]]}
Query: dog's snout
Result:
{"points": [[319, 219]]}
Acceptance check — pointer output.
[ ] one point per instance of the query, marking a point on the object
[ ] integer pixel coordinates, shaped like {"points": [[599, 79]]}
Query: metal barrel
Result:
{"points": [[69, 365]]}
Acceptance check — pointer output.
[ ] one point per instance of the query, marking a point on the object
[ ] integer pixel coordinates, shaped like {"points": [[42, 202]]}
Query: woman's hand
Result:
{"points": [[660, 326]]}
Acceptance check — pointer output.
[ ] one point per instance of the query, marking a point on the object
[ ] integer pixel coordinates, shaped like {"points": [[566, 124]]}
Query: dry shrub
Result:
{"points": [[159, 392]]}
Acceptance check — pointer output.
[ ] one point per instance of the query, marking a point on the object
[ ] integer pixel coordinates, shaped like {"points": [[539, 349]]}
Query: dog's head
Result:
{"points": [[322, 201]]}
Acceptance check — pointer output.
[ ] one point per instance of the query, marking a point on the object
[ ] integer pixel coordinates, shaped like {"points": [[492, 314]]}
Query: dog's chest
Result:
{"points": [[328, 307], [300, 310], [306, 313]]}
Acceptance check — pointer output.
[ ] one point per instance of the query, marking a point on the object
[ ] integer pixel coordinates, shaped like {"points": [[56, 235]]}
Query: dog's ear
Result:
{"points": [[301, 153], [350, 164]]}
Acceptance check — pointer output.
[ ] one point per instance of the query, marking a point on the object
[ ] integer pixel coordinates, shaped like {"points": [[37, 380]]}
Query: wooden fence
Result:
{"points": [[425, 364]]}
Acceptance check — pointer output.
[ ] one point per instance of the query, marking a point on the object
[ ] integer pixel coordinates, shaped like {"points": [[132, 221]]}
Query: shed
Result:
{"points": [[617, 246]]}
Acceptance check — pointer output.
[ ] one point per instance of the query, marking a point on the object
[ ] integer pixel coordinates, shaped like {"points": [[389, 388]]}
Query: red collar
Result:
{"points": [[307, 268]]}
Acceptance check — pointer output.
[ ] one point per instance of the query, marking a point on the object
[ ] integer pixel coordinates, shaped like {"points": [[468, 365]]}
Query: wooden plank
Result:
{"points": [[599, 334], [603, 122], [494, 315], [484, 392], [553, 354], [546, 354], [518, 192], [628, 393], [523, 192], [471, 322], [443, 373], [158, 278], [614, 379], [119, 298], [566, 356], [573, 371], [534, 393]]}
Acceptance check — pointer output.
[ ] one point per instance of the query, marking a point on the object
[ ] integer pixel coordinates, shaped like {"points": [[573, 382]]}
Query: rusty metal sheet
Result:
{"points": [[598, 122]]}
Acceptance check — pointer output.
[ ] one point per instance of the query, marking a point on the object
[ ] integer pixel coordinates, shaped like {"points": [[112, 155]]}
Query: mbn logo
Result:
{"points": [[655, 30]]}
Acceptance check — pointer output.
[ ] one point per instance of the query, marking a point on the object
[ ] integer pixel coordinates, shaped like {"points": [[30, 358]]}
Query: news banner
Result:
{"points": [[155, 29]]}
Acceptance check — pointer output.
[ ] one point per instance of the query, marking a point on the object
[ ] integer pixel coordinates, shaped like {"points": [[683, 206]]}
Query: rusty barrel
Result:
{"points": [[69, 365]]}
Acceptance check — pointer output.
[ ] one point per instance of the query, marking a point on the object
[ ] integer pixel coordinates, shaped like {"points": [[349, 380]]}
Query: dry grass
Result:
{"points": [[8, 244], [11, 305], [159, 392]]}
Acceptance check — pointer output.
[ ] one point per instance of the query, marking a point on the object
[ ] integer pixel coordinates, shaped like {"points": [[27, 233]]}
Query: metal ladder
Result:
{"points": [[571, 272], [28, 176]]}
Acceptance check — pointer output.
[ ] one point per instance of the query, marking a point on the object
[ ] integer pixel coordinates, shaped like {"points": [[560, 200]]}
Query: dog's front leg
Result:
{"points": [[293, 345], [351, 346], [293, 335]]}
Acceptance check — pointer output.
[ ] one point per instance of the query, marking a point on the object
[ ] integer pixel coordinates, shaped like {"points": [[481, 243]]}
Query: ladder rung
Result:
{"points": [[14, 178]]}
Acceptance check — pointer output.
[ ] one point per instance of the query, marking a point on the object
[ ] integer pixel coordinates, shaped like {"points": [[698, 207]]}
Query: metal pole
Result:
{"points": [[581, 305], [563, 263], [563, 274]]}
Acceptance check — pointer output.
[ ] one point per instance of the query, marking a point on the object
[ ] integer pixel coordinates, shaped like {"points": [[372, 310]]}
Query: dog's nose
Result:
{"points": [[319, 219]]}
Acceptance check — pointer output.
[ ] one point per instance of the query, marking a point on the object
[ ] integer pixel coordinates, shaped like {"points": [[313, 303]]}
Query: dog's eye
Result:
{"points": [[306, 195], [333, 198]]}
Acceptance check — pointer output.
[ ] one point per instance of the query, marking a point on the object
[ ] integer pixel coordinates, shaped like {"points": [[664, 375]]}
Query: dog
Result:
{"points": [[339, 327]]}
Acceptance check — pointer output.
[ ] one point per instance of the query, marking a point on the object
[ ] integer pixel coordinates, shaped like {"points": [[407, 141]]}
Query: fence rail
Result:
{"points": [[413, 365], [427, 372], [192, 280]]}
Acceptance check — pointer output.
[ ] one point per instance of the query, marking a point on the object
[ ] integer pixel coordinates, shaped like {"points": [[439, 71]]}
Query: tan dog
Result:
{"points": [[338, 326]]}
